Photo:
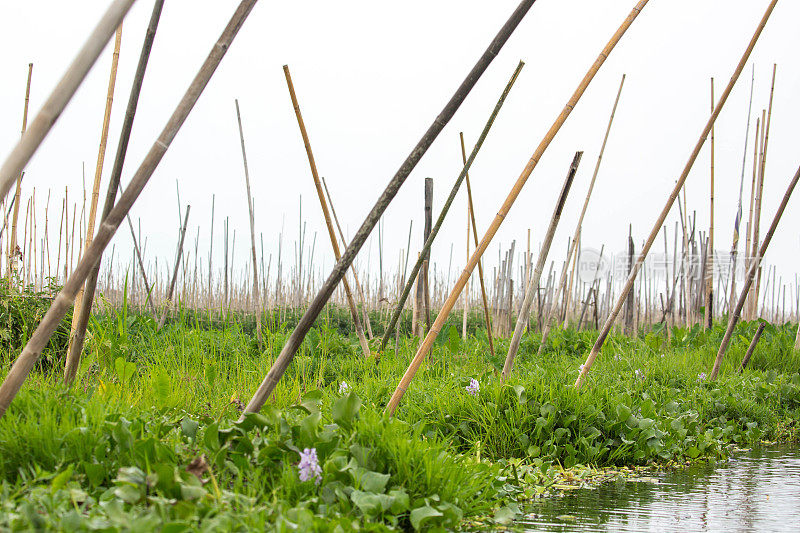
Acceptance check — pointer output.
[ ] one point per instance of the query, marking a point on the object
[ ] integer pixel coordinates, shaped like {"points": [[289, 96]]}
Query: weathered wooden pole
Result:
{"points": [[362, 339], [256, 299], [506, 207], [446, 207], [733, 316], [533, 286], [30, 353], [671, 199], [299, 333], [62, 94], [562, 281]]}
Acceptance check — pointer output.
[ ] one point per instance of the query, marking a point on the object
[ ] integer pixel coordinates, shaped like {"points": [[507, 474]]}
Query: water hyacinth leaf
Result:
{"points": [[373, 481], [423, 514], [95, 473], [345, 410], [453, 340], [189, 428], [61, 479], [623, 412], [125, 370]]}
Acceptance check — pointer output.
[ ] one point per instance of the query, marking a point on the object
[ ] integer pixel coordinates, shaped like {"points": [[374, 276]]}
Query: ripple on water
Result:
{"points": [[758, 490]]}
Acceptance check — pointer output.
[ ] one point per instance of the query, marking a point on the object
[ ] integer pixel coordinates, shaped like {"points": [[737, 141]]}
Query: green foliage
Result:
{"points": [[21, 310]]}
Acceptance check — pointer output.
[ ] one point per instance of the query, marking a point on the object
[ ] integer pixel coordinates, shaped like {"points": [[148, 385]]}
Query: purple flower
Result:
{"points": [[701, 376], [580, 369], [474, 387], [308, 466], [344, 388], [639, 374]]}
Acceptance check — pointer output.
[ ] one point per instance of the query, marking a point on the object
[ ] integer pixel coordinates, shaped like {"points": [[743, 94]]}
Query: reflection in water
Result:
{"points": [[757, 490]]}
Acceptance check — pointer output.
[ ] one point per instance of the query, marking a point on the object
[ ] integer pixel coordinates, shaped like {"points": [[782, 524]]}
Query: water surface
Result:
{"points": [[757, 490]]}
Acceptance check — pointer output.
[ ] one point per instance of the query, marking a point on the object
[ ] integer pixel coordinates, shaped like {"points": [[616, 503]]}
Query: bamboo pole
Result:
{"points": [[736, 312], [505, 208], [709, 289], [174, 279], [486, 315], [578, 226], [533, 286], [259, 336], [76, 347], [30, 353], [98, 173], [62, 94], [446, 207], [752, 347], [297, 336], [326, 214], [660, 221], [11, 258]]}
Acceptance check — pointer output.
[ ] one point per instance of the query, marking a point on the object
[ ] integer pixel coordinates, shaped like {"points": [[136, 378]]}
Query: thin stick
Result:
{"points": [[62, 94], [174, 279], [580, 219], [252, 231], [331, 233], [533, 286], [299, 333], [446, 207], [73, 356], [506, 207], [30, 353], [709, 292], [486, 315], [748, 282], [660, 221]]}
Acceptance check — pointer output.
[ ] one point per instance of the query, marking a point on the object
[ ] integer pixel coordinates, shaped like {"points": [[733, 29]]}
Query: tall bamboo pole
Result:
{"points": [[299, 333], [30, 353], [578, 226], [475, 236], [709, 288], [98, 173], [62, 94], [660, 221], [533, 286], [748, 281], [506, 207], [11, 258], [446, 207], [76, 347], [362, 339], [252, 231]]}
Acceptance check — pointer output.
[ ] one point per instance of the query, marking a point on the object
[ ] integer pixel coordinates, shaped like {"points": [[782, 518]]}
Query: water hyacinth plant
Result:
{"points": [[308, 467], [474, 387]]}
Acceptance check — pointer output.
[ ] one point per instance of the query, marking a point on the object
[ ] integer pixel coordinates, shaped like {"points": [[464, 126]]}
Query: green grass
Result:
{"points": [[114, 453]]}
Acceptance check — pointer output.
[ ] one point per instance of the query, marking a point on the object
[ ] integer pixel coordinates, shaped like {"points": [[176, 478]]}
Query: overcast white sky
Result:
{"points": [[371, 76]]}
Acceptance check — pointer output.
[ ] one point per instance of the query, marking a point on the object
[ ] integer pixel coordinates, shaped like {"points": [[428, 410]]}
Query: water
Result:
{"points": [[758, 490]]}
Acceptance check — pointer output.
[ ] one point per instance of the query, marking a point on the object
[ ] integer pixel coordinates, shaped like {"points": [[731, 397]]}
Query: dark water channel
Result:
{"points": [[757, 490]]}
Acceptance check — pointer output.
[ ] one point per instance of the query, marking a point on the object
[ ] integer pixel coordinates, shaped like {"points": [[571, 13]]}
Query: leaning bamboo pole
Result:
{"points": [[362, 339], [11, 258], [752, 347], [446, 207], [709, 285], [748, 281], [73, 355], [257, 307], [533, 286], [486, 315], [506, 207], [578, 226], [98, 173], [30, 353], [176, 267], [62, 94], [584, 370], [296, 338]]}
